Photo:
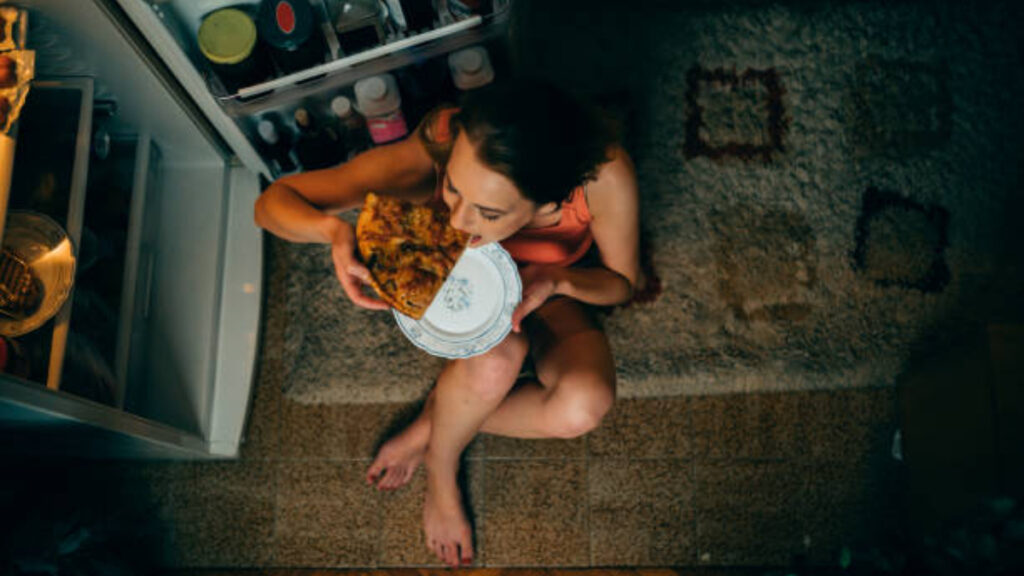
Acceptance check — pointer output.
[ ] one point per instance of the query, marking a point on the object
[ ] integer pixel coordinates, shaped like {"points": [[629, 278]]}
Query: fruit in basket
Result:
{"points": [[8, 72], [5, 110]]}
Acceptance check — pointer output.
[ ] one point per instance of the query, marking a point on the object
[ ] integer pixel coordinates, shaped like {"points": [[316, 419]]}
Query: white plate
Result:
{"points": [[473, 311]]}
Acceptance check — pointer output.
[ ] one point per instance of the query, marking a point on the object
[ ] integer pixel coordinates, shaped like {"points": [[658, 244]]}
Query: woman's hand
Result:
{"points": [[351, 273], [539, 283]]}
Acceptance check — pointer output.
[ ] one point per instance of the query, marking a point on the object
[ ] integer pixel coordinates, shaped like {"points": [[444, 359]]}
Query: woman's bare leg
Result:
{"points": [[570, 353], [575, 346], [466, 393]]}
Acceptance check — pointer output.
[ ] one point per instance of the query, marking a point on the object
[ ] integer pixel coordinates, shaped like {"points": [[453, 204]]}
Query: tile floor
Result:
{"points": [[767, 479], [750, 480]]}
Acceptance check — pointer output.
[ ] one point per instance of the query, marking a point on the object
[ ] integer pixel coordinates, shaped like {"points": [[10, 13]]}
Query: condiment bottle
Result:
{"points": [[471, 68], [290, 31], [378, 99], [227, 39], [353, 128], [316, 147]]}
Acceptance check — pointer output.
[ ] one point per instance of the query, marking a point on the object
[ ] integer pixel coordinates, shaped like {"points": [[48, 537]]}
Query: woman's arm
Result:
{"points": [[296, 207], [614, 206]]}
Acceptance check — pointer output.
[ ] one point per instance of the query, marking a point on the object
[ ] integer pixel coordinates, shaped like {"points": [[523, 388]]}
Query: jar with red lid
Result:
{"points": [[291, 33]]}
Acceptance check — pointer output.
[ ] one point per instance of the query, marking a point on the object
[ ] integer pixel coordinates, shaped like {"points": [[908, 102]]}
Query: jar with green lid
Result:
{"points": [[227, 39]]}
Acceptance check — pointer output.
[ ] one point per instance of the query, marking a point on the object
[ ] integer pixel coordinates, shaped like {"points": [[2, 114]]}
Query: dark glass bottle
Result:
{"points": [[316, 146], [352, 126], [419, 14]]}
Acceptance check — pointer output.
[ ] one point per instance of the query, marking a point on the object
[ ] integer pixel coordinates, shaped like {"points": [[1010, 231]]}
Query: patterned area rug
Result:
{"points": [[823, 191]]}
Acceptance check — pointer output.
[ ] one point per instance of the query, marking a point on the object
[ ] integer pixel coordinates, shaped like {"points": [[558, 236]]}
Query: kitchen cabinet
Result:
{"points": [[174, 160]]}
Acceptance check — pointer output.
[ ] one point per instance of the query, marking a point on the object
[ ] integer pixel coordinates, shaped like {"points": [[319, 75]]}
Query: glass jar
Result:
{"points": [[358, 23], [292, 36], [227, 39]]}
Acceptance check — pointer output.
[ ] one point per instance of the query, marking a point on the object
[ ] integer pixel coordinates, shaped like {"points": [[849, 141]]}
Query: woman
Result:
{"points": [[520, 163]]}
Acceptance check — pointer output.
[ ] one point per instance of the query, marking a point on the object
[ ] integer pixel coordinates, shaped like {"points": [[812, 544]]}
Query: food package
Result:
{"points": [[17, 68]]}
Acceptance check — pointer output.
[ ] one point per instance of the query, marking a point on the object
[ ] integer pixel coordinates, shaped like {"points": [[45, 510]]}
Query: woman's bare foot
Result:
{"points": [[445, 527], [399, 457]]}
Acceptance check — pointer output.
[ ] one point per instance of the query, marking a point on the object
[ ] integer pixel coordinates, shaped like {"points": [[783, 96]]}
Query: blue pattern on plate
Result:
{"points": [[458, 293]]}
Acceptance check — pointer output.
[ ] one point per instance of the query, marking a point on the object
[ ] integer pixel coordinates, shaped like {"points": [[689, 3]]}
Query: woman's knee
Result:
{"points": [[580, 406], [494, 372]]}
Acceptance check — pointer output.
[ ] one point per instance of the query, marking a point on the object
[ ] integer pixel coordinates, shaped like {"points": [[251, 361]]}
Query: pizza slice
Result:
{"points": [[409, 249]]}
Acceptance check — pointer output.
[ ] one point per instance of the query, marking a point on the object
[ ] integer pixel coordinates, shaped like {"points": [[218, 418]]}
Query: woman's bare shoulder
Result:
{"points": [[615, 183]]}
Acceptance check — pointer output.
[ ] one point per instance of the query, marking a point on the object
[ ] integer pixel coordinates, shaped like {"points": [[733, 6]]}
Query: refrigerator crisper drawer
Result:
{"points": [[181, 282]]}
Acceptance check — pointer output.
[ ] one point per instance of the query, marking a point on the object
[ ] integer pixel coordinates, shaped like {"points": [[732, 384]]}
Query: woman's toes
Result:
{"points": [[373, 474], [450, 554], [395, 479]]}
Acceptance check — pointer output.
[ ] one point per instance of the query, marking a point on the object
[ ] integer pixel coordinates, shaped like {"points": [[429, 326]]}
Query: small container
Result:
{"points": [[471, 68], [358, 23], [351, 125], [227, 39], [291, 34], [378, 99]]}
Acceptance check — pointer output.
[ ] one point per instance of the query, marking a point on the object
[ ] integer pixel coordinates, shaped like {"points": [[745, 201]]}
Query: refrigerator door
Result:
{"points": [[188, 324], [159, 29]]}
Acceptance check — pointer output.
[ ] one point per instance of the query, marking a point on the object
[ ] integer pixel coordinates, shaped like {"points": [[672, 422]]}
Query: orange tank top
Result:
{"points": [[561, 244]]}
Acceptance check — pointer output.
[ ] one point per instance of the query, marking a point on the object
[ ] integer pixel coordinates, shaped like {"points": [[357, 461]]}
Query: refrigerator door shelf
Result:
{"points": [[289, 91], [169, 28], [326, 69]]}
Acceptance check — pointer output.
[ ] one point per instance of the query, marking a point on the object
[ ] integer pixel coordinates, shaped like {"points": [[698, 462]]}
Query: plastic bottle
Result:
{"points": [[353, 129], [316, 146], [277, 146], [378, 99], [471, 68]]}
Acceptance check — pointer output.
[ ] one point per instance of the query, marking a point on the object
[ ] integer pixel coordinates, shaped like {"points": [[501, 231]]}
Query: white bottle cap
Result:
{"points": [[341, 106], [471, 68], [267, 131], [468, 61], [377, 95], [374, 89]]}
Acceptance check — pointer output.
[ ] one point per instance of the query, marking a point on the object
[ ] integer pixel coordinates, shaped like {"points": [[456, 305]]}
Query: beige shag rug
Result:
{"points": [[823, 190]]}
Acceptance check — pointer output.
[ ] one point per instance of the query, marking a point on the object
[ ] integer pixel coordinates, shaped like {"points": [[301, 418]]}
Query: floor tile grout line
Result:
{"points": [[586, 496], [483, 508], [693, 475]]}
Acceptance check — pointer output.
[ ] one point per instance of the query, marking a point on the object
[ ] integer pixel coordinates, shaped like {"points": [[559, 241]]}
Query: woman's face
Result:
{"points": [[483, 203]]}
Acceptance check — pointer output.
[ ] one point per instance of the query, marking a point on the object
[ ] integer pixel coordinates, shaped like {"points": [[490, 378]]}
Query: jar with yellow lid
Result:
{"points": [[227, 39]]}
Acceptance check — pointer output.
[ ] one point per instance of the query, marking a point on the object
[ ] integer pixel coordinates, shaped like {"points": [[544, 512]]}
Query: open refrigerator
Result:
{"points": [[130, 141]]}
